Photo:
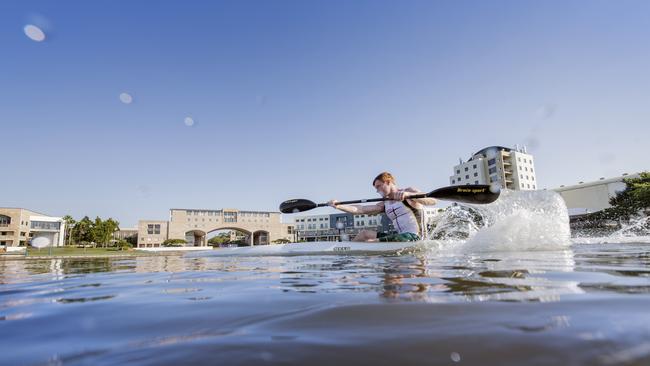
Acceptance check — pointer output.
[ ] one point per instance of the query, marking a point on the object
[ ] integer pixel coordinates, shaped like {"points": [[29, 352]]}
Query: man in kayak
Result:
{"points": [[405, 213]]}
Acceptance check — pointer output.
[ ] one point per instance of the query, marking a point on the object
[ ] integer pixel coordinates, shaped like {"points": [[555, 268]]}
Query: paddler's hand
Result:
{"points": [[332, 203]]}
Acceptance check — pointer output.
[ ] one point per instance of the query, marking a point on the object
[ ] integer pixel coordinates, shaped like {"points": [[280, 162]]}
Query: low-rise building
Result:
{"points": [[18, 226], [588, 197], [333, 226], [194, 226]]}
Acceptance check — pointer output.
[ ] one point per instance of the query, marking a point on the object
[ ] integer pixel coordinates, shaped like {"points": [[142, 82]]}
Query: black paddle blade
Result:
{"points": [[297, 205], [476, 193]]}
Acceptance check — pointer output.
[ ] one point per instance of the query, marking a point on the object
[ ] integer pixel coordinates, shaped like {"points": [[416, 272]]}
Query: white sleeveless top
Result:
{"points": [[403, 218]]}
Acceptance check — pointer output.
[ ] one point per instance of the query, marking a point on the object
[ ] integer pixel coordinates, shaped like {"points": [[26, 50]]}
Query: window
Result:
{"points": [[459, 179], [492, 161], [521, 176], [466, 168], [476, 174], [453, 181], [528, 185], [492, 170], [526, 169], [467, 176], [457, 171], [475, 182], [5, 220], [531, 170], [474, 166], [45, 225]]}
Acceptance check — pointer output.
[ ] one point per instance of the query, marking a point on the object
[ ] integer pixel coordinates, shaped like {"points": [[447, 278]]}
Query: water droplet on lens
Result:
{"points": [[126, 98], [34, 33], [455, 357], [189, 122]]}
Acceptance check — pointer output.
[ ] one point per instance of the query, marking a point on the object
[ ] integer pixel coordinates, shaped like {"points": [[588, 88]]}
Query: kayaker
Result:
{"points": [[405, 213]]}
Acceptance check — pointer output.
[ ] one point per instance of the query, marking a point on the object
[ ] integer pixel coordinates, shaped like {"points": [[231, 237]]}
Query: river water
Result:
{"points": [[571, 302]]}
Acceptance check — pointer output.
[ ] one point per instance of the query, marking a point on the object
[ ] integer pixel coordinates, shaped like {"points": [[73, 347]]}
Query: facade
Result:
{"points": [[194, 225], [510, 168], [18, 226], [125, 233], [324, 227], [588, 197]]}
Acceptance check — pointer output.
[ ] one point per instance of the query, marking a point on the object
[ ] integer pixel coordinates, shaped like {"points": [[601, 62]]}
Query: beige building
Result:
{"points": [[587, 197], [194, 225], [125, 233], [510, 168], [18, 226]]}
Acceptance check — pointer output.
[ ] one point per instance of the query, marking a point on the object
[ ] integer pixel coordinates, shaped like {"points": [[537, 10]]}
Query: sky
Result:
{"points": [[129, 108]]}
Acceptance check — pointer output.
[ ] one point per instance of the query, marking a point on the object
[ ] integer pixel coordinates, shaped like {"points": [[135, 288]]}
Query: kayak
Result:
{"points": [[315, 248]]}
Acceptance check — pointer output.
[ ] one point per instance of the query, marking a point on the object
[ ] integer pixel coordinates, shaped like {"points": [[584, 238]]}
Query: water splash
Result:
{"points": [[517, 221], [636, 230]]}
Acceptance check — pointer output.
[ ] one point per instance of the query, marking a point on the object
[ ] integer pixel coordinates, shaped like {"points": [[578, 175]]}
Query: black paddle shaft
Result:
{"points": [[476, 194]]}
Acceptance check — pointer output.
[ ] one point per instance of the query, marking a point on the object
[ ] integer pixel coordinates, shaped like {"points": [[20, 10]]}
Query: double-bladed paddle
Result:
{"points": [[477, 193]]}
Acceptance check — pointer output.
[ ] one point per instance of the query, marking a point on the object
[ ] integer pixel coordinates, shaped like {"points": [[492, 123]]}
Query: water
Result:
{"points": [[512, 301]]}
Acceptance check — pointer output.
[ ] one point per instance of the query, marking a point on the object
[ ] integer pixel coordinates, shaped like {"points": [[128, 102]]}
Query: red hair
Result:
{"points": [[384, 177]]}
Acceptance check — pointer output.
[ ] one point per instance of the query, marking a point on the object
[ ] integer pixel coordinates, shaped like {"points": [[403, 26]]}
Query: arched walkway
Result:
{"points": [[196, 238], [248, 236], [261, 237]]}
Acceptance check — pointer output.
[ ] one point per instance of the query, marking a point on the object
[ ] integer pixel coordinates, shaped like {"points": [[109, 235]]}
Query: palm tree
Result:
{"points": [[69, 226]]}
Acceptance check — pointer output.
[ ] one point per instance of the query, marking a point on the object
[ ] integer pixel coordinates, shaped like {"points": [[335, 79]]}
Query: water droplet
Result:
{"points": [[455, 357], [34, 33], [491, 153], [189, 122], [126, 98]]}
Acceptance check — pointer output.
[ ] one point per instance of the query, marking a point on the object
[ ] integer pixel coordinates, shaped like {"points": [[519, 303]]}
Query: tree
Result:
{"points": [[81, 232], [174, 243], [633, 200], [221, 238], [122, 244], [69, 226], [102, 230]]}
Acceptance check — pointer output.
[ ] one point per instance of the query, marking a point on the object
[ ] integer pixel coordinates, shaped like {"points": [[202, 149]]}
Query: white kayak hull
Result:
{"points": [[314, 248]]}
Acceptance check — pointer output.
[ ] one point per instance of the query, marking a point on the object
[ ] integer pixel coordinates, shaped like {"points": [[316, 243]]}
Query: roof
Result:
{"points": [[483, 151]]}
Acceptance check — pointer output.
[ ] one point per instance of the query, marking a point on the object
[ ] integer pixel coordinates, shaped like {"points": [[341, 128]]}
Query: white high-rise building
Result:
{"points": [[510, 168]]}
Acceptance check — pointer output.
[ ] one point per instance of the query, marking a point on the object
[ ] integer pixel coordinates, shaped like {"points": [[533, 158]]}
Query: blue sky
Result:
{"points": [[308, 99]]}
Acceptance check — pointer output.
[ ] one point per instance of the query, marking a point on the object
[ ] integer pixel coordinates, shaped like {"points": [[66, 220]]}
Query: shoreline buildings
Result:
{"points": [[510, 168], [194, 225], [19, 226], [589, 197], [330, 227]]}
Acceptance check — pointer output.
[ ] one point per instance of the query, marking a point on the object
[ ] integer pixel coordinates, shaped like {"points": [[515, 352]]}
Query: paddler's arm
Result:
{"points": [[422, 201], [358, 209]]}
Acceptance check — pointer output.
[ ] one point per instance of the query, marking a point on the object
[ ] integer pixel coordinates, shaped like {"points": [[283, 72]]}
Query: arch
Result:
{"points": [[195, 238], [261, 237], [247, 233]]}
